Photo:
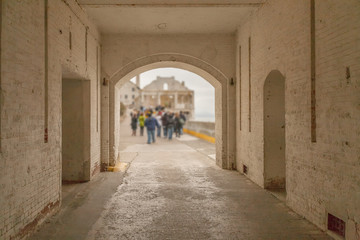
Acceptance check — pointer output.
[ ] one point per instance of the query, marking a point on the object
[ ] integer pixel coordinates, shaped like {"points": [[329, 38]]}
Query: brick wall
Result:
{"points": [[30, 170], [122, 52], [321, 177], [324, 176]]}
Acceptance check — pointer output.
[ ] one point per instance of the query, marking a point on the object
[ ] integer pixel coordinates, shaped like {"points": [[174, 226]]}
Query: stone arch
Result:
{"points": [[274, 131], [215, 77], [193, 64]]}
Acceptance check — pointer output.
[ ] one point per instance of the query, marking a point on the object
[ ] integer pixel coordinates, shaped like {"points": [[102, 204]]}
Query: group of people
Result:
{"points": [[168, 122]]}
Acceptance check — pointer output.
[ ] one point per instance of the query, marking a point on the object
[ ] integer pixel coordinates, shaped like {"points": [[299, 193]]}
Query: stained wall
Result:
{"points": [[121, 53], [323, 176], [31, 93]]}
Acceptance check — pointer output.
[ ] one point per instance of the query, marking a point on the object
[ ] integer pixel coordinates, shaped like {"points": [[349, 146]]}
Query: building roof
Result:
{"points": [[172, 84]]}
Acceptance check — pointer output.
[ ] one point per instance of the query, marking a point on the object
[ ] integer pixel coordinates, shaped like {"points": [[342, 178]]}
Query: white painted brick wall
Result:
{"points": [[30, 170], [322, 177], [120, 51]]}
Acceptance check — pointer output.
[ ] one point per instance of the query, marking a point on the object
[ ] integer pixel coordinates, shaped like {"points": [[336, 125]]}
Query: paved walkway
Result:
{"points": [[174, 190]]}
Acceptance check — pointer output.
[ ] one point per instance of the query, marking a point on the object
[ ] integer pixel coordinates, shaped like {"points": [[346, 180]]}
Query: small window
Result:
{"points": [[133, 89], [133, 96], [166, 87], [126, 96]]}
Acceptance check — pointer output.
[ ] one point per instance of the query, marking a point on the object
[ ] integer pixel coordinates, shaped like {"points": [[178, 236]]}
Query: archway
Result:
{"points": [[274, 131], [189, 63]]}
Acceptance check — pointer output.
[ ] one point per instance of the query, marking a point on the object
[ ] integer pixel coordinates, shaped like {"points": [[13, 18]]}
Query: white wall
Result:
{"points": [[324, 176], [321, 177], [122, 52], [30, 170], [119, 50], [131, 91]]}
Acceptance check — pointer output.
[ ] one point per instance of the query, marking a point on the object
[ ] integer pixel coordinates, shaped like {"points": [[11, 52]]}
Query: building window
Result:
{"points": [[125, 96], [133, 96], [133, 89], [166, 87]]}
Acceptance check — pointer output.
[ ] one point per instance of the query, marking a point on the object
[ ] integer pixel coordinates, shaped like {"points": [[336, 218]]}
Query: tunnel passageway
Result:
{"points": [[174, 190]]}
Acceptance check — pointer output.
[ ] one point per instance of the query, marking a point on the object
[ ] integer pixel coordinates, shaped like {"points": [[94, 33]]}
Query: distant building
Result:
{"points": [[164, 91], [129, 94], [170, 93]]}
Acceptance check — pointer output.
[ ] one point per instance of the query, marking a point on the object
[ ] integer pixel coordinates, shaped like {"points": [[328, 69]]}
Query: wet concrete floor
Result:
{"points": [[174, 190]]}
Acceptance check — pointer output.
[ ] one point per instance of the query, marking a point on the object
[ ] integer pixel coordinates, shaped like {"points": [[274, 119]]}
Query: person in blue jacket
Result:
{"points": [[150, 124]]}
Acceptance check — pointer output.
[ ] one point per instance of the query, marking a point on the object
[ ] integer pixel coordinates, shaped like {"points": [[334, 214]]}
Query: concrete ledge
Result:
{"points": [[206, 128], [200, 135]]}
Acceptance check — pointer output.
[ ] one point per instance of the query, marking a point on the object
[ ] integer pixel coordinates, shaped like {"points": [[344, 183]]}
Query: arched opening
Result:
{"points": [[197, 66], [188, 101], [274, 131]]}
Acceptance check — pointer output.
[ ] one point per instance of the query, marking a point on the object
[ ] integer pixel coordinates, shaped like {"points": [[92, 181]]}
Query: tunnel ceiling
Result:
{"points": [[170, 16]]}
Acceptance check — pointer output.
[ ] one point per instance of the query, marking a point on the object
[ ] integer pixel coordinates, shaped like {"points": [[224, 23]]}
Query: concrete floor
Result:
{"points": [[174, 190]]}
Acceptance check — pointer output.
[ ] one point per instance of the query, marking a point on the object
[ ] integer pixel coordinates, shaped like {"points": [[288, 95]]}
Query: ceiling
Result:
{"points": [[169, 16]]}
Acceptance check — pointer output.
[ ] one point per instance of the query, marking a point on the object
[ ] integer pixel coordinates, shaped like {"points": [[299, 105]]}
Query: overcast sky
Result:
{"points": [[203, 90]]}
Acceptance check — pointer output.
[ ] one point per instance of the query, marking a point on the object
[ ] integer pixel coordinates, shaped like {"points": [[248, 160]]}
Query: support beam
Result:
{"points": [[173, 3], [176, 100], [158, 98]]}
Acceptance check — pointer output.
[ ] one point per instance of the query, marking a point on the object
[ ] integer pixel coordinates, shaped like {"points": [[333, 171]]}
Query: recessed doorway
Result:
{"points": [[274, 132], [75, 130]]}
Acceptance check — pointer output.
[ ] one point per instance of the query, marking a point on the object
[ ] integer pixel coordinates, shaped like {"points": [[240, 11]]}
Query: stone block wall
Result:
{"points": [[321, 177], [30, 168]]}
